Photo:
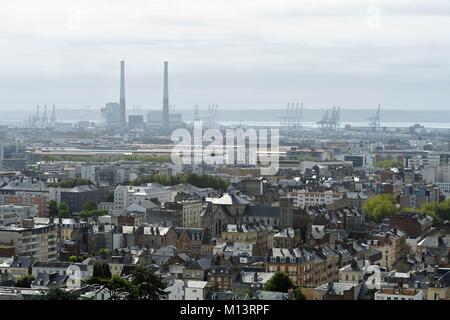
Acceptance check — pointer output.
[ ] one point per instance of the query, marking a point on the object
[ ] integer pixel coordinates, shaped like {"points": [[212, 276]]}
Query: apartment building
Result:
{"points": [[13, 214], [298, 263], [304, 198], [36, 240], [392, 245], [191, 213], [24, 199], [126, 195], [258, 234], [75, 197]]}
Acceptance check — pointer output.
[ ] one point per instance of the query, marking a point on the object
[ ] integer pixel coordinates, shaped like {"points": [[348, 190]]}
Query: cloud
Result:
{"points": [[236, 53]]}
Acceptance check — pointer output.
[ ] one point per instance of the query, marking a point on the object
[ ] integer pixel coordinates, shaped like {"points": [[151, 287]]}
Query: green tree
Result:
{"points": [[89, 206], [439, 211], [64, 210], [93, 213], [148, 285], [73, 259], [117, 287], [280, 281], [379, 207], [298, 294], [53, 210], [101, 270], [103, 252], [388, 164], [56, 293], [70, 183], [24, 282]]}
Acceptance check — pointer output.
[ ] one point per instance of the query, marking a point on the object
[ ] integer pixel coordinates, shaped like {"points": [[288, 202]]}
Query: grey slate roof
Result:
{"points": [[262, 211], [200, 264]]}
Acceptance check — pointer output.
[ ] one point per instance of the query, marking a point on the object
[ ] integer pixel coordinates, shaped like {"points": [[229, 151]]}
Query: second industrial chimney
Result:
{"points": [[166, 97], [122, 114]]}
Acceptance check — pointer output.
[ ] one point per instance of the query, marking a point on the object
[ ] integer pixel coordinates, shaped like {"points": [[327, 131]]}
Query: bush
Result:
{"points": [[24, 282]]}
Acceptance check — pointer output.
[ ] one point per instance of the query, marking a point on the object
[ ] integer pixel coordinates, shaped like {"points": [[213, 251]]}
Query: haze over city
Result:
{"points": [[238, 54]]}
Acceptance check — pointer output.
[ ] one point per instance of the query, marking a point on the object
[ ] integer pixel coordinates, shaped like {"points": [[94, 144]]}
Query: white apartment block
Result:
{"points": [[303, 198], [126, 195], [175, 290], [427, 161]]}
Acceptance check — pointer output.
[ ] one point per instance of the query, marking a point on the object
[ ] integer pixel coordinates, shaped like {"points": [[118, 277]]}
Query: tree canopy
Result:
{"points": [[439, 211], [63, 210], [70, 183], [101, 270], [281, 282], [144, 284], [24, 282], [56, 293], [53, 210], [388, 164], [90, 210], [379, 207], [149, 286]]}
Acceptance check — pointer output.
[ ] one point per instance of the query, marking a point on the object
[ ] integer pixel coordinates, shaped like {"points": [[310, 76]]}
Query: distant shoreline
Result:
{"points": [[348, 116]]}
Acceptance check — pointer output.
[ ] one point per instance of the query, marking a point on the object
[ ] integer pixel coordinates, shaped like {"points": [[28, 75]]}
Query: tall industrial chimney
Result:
{"points": [[122, 114], [53, 120], [166, 97], [44, 117]]}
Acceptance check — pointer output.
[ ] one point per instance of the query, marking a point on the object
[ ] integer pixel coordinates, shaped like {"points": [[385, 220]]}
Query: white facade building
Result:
{"points": [[196, 290], [425, 161], [175, 290], [303, 198], [124, 196]]}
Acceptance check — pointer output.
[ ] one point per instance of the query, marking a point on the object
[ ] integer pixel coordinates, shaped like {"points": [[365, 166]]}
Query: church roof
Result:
{"points": [[230, 199]]}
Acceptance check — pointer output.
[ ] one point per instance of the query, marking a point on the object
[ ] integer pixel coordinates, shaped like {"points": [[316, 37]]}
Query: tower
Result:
{"points": [[166, 96], [37, 117], [53, 119], [122, 109], [44, 117]]}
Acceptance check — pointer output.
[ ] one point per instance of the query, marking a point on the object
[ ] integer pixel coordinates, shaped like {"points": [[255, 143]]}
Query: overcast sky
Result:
{"points": [[235, 53]]}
